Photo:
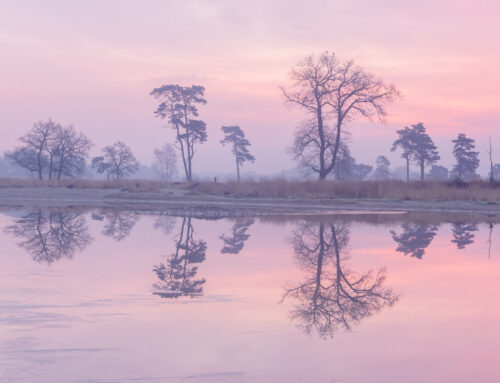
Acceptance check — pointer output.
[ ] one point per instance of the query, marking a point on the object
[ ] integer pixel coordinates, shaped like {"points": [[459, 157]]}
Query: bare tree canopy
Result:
{"points": [[467, 159], [332, 296], [235, 137], [178, 105], [52, 150], [165, 162], [117, 161], [332, 93], [51, 234]]}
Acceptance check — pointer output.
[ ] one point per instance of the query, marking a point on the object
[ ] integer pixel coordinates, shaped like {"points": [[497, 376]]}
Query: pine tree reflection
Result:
{"points": [[463, 234], [234, 243], [177, 277], [415, 238], [333, 296], [49, 235]]}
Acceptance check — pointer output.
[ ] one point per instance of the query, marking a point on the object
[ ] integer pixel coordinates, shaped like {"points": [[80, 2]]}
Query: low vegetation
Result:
{"points": [[389, 189]]}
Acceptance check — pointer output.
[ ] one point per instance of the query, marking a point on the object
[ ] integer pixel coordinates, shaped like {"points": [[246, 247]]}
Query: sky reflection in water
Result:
{"points": [[114, 296]]}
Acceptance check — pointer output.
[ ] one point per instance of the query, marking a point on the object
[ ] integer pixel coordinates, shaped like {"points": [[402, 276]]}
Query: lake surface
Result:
{"points": [[112, 296]]}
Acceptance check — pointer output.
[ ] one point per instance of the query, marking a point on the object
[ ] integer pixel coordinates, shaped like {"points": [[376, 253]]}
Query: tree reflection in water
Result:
{"points": [[51, 234], [119, 224], [178, 276], [235, 242], [463, 234], [414, 238], [332, 296]]}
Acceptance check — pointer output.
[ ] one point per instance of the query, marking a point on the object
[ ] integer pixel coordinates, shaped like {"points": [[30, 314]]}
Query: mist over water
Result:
{"points": [[117, 296]]}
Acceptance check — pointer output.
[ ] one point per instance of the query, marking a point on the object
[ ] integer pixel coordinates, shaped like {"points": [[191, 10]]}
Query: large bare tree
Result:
{"points": [[117, 161], [178, 104], [332, 93], [52, 150]]}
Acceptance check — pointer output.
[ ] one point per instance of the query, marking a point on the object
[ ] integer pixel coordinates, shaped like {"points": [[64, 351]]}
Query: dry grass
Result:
{"points": [[137, 185], [390, 189]]}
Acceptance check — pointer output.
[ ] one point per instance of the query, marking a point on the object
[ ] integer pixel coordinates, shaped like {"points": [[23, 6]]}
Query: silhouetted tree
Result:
{"points": [[438, 172], [178, 104], [234, 243], [117, 162], [345, 163], [463, 234], [118, 224], [234, 136], [32, 155], [382, 172], [406, 144], [424, 152], [68, 151], [328, 89], [51, 234], [177, 276], [332, 295], [165, 162], [53, 150], [414, 239], [361, 171], [467, 159]]}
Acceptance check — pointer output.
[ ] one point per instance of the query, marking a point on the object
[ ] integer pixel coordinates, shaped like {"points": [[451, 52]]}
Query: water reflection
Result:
{"points": [[117, 224], [235, 242], [49, 235], [463, 234], [178, 276], [332, 295], [414, 238]]}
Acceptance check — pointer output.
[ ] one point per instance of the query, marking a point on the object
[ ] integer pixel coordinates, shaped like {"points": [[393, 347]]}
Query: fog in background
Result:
{"points": [[93, 64]]}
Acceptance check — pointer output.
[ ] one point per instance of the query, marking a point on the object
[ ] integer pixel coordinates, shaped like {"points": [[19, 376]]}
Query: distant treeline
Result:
{"points": [[330, 92]]}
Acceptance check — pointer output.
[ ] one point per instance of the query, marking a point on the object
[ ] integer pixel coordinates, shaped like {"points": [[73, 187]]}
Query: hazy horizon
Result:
{"points": [[94, 64]]}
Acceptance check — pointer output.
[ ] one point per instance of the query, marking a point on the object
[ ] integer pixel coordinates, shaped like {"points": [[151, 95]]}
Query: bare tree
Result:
{"points": [[331, 90], [165, 163], [467, 159], [33, 154], [51, 234], [53, 150], [117, 162], [68, 152], [118, 224], [492, 166], [235, 137], [332, 295], [178, 104]]}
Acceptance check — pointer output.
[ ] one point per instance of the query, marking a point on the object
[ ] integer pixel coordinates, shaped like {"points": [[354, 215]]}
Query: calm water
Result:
{"points": [[109, 296]]}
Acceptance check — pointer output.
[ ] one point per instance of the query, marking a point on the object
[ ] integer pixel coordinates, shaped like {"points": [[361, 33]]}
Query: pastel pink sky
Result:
{"points": [[93, 64]]}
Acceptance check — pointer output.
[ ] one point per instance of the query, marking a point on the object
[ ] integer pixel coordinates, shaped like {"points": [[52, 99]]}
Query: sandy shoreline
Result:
{"points": [[198, 204]]}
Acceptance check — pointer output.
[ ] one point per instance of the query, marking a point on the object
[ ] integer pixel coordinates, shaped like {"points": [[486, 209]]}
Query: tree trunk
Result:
{"points": [[237, 169], [422, 170], [407, 170]]}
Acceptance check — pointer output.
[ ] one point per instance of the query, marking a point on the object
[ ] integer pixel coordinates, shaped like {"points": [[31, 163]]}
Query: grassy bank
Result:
{"points": [[390, 189], [280, 188]]}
